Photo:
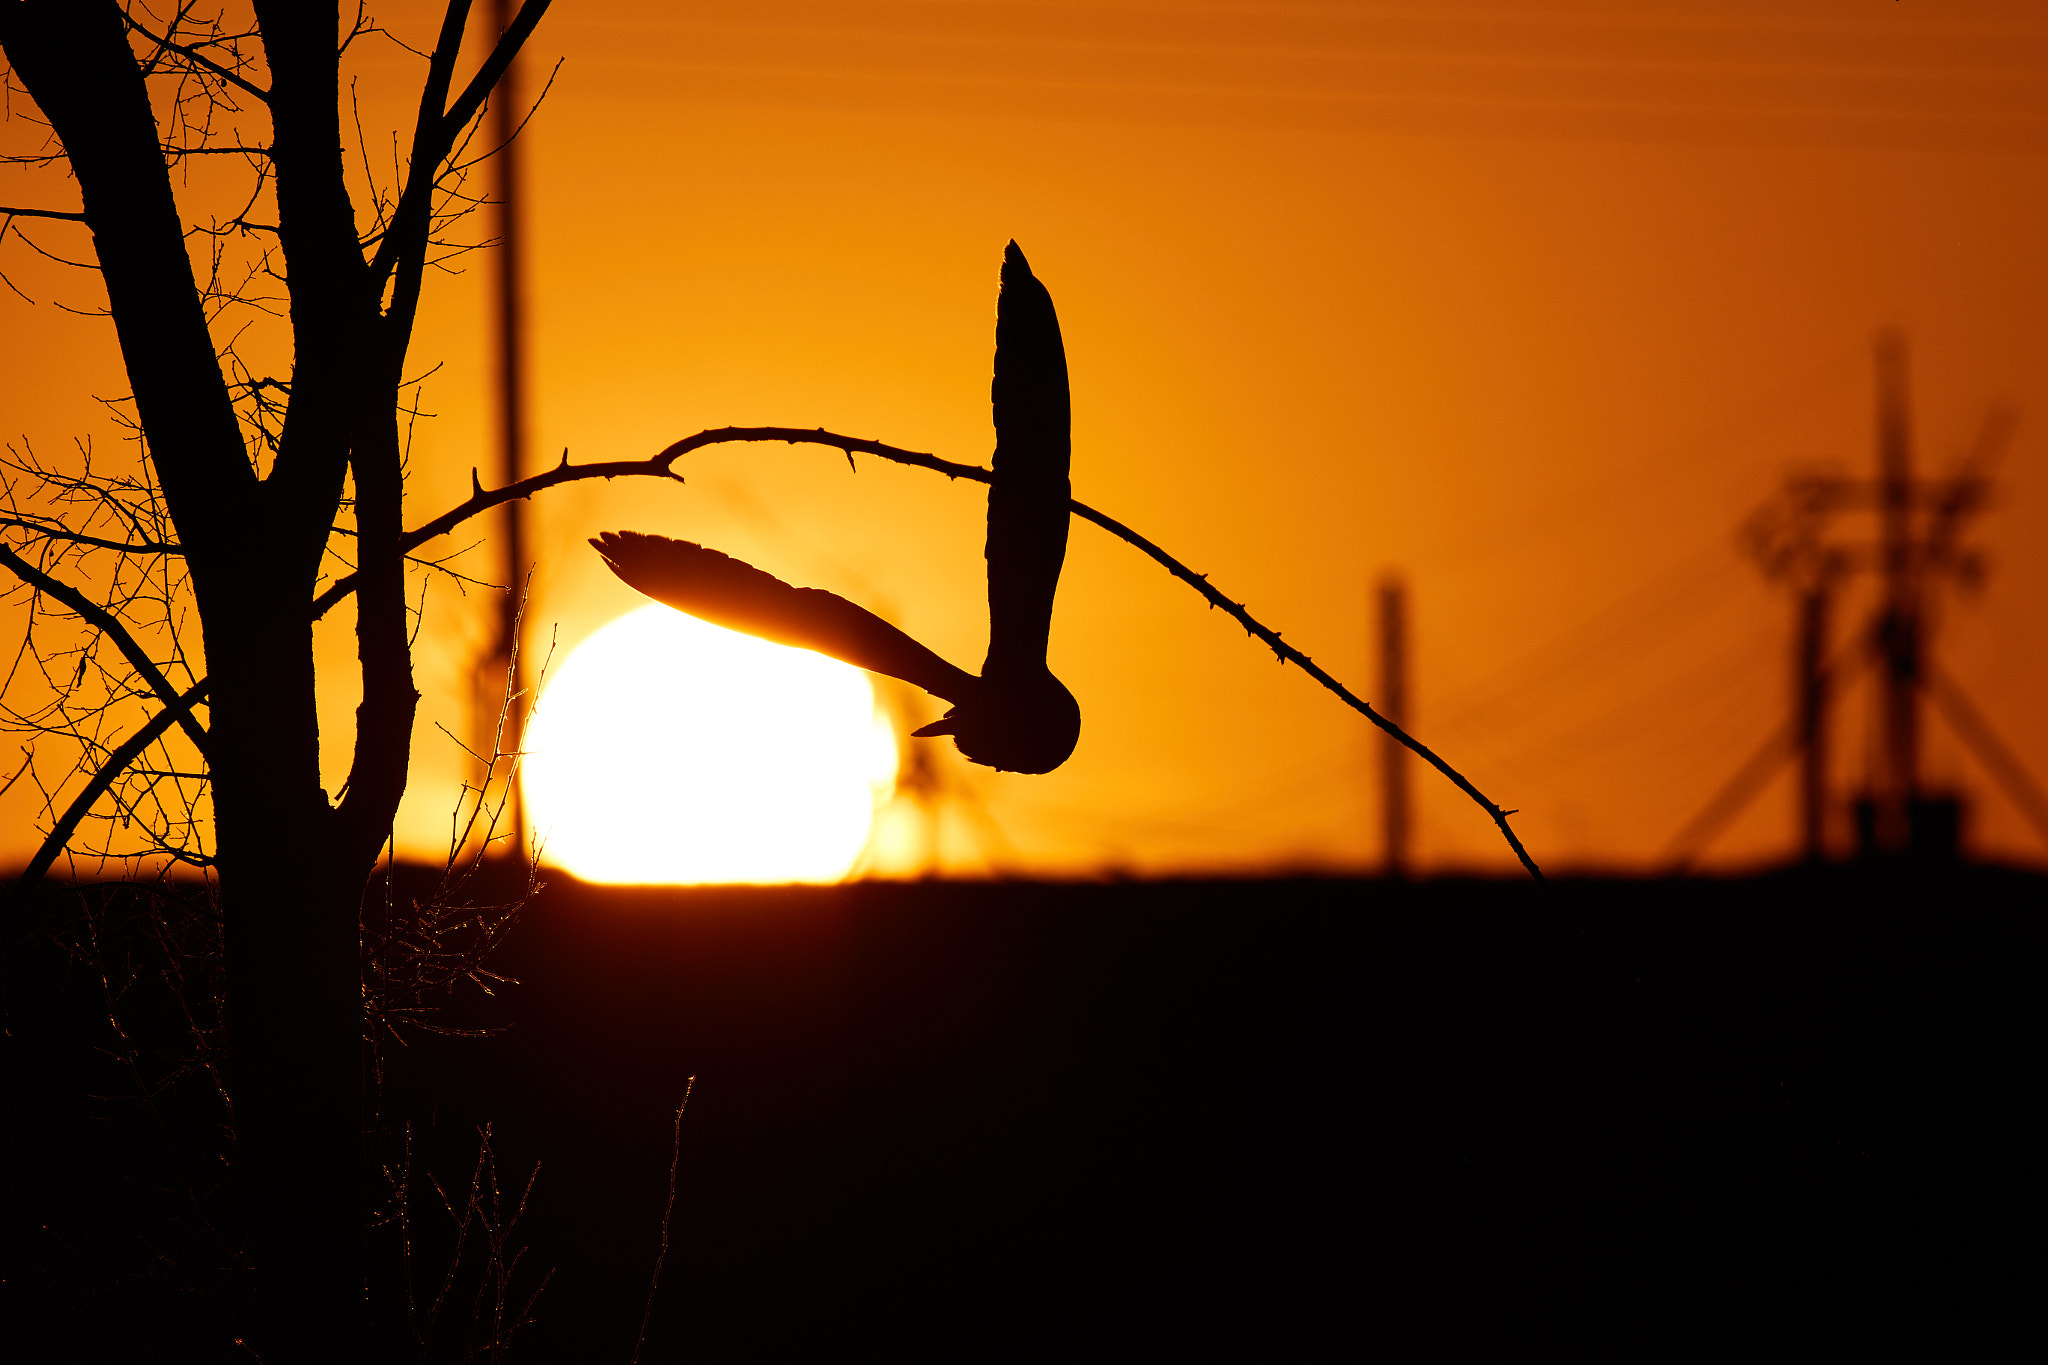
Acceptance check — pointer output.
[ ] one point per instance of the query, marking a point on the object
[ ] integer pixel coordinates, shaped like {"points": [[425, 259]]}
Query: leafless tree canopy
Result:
{"points": [[259, 250]]}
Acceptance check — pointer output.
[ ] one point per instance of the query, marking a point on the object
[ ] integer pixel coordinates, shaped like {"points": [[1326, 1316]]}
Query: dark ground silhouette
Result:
{"points": [[1257, 1120]]}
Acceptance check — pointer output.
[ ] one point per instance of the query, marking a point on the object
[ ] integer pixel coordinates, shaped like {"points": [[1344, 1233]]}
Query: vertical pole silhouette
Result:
{"points": [[1810, 698], [502, 667], [1394, 809], [1898, 626]]}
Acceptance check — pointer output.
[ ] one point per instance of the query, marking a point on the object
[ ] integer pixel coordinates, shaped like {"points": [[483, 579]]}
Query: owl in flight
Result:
{"points": [[1016, 716]]}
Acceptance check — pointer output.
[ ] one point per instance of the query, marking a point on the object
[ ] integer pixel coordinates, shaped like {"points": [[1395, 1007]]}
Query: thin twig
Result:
{"points": [[675, 1162], [192, 54], [48, 532], [438, 129], [117, 763], [106, 623]]}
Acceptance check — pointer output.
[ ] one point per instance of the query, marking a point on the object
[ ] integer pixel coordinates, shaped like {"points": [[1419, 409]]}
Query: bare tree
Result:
{"points": [[252, 483], [270, 404]]}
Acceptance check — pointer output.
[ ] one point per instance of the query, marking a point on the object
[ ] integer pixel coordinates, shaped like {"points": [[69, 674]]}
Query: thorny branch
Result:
{"points": [[1288, 653], [662, 466]]}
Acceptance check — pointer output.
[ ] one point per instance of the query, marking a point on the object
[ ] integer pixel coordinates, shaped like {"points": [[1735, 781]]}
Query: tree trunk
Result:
{"points": [[290, 896], [291, 866], [295, 1036]]}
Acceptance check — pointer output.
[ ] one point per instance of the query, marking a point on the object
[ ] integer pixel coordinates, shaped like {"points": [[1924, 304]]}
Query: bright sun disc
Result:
{"points": [[669, 750]]}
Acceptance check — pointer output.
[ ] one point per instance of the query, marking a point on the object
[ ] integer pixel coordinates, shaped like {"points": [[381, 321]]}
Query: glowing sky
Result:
{"points": [[1533, 307]]}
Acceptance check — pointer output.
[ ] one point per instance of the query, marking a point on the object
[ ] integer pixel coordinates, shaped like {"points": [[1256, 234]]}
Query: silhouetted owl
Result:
{"points": [[1016, 716]]}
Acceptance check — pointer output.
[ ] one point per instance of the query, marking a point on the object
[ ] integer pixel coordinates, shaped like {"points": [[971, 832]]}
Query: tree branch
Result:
{"points": [[105, 621], [660, 466], [486, 79], [117, 763], [193, 55], [333, 312], [434, 136], [148, 547], [10, 212], [402, 254], [1289, 654], [76, 62]]}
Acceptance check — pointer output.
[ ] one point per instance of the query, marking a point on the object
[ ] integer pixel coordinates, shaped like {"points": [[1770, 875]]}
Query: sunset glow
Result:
{"points": [[669, 750], [1532, 307]]}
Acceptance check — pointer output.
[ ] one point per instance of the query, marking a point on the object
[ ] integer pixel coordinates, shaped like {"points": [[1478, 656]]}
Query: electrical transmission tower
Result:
{"points": [[1915, 546]]}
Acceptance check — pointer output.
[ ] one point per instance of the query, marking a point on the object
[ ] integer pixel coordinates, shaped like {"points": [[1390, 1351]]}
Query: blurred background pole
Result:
{"points": [[1810, 701], [1393, 704], [502, 671], [1898, 634]]}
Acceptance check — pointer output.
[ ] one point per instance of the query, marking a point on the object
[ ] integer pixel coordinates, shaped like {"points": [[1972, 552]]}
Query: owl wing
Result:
{"points": [[727, 592], [1027, 502]]}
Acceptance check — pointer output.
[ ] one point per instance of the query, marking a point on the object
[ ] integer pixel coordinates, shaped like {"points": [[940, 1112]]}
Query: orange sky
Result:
{"points": [[1533, 309]]}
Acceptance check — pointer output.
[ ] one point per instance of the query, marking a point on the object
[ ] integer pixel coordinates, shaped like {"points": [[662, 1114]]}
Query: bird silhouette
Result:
{"points": [[1016, 716]]}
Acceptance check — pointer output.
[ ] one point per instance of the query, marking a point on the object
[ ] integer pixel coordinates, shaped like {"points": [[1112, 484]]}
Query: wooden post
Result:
{"points": [[504, 661], [1810, 702], [1394, 807], [1898, 628]]}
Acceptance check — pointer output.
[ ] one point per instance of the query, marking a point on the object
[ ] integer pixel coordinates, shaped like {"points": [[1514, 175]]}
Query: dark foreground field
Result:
{"points": [[1257, 1120]]}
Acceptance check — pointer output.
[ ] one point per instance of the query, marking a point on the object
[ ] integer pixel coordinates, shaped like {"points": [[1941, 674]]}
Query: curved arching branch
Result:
{"points": [[662, 466], [1289, 654]]}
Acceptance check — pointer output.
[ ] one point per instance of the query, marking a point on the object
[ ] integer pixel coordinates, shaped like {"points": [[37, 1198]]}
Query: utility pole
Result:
{"points": [[500, 672], [1810, 696], [1393, 643], [1896, 789]]}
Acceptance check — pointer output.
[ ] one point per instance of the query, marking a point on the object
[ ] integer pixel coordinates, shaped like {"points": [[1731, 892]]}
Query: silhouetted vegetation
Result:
{"points": [[1304, 1119], [173, 707]]}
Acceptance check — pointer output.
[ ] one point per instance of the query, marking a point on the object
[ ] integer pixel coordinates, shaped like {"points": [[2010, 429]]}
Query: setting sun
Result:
{"points": [[669, 750]]}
